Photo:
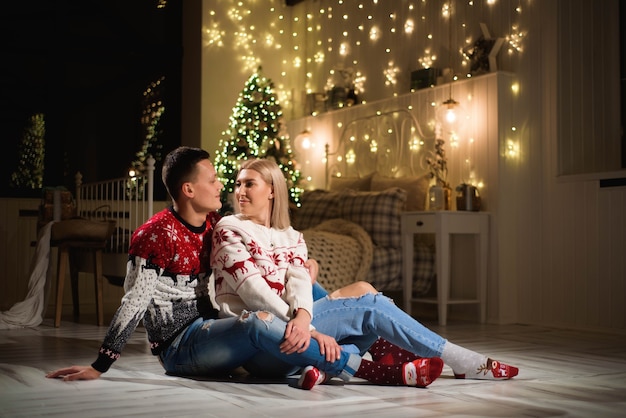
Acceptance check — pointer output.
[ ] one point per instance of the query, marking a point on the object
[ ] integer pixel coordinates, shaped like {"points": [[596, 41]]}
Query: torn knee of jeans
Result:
{"points": [[337, 294], [262, 315]]}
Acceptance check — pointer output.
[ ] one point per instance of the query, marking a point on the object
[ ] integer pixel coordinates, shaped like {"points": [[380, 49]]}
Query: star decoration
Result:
{"points": [[483, 53]]}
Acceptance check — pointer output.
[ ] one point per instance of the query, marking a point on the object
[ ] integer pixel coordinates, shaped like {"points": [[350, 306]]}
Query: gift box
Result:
{"points": [[338, 97], [315, 103], [426, 77]]}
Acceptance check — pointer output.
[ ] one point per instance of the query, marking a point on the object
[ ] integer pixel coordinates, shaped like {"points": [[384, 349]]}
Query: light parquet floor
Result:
{"points": [[562, 373]]}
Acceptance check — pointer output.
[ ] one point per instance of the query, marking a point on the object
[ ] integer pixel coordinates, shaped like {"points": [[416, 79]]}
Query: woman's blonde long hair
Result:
{"points": [[273, 175]]}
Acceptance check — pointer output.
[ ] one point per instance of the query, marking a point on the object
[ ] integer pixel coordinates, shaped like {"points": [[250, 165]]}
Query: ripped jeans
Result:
{"points": [[359, 321], [217, 346]]}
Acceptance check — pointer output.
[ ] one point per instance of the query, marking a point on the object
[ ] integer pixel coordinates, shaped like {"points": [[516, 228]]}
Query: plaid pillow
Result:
{"points": [[377, 212], [317, 206]]}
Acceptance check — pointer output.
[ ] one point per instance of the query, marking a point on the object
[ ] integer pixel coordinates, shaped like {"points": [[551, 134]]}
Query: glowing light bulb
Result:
{"points": [[451, 117]]}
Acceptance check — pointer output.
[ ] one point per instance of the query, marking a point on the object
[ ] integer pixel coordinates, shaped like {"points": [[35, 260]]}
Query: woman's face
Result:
{"points": [[254, 196]]}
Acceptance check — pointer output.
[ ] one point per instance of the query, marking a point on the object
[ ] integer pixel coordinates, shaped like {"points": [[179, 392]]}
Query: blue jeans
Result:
{"points": [[318, 291], [359, 321], [217, 346]]}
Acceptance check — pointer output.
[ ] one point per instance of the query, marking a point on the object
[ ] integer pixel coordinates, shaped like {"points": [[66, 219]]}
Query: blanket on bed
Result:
{"points": [[343, 249]]}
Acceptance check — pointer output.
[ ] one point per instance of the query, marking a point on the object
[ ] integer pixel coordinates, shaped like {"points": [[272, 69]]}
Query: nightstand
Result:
{"points": [[443, 224]]}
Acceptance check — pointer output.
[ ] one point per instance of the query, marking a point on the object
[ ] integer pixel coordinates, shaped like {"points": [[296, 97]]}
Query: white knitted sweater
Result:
{"points": [[259, 268]]}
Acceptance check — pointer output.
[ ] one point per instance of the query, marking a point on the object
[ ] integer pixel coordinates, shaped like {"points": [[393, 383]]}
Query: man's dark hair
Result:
{"points": [[179, 167]]}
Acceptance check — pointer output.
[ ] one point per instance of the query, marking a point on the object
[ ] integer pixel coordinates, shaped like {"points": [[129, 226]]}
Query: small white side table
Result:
{"points": [[443, 224]]}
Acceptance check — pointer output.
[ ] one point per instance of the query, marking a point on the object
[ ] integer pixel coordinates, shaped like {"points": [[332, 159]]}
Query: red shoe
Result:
{"points": [[310, 377]]}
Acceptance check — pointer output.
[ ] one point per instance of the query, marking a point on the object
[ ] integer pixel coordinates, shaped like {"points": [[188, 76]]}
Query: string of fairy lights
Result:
{"points": [[327, 36], [326, 43]]}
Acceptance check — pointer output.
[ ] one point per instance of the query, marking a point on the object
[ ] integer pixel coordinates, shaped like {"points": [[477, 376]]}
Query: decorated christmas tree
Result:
{"points": [[30, 164], [153, 110], [256, 130]]}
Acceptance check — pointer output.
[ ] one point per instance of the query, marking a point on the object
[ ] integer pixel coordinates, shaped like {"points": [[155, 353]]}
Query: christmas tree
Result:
{"points": [[153, 110], [30, 165], [256, 130]]}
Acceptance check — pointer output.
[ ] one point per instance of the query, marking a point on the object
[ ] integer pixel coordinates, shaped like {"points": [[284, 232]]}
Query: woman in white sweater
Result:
{"points": [[259, 264]]}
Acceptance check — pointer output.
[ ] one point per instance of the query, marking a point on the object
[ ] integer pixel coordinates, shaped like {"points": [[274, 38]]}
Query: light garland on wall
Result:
{"points": [[366, 26]]}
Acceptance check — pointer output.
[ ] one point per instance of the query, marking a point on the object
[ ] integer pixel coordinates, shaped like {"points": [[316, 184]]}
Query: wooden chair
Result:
{"points": [[68, 253], [76, 238]]}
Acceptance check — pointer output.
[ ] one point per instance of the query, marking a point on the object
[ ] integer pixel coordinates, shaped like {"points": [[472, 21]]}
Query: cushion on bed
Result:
{"points": [[343, 250], [317, 206], [377, 212], [416, 188], [360, 184]]}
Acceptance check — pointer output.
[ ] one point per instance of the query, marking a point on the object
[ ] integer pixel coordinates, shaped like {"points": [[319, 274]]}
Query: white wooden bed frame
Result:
{"points": [[127, 201]]}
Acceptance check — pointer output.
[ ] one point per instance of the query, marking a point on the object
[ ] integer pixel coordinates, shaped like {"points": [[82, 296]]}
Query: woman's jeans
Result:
{"points": [[359, 321], [215, 346]]}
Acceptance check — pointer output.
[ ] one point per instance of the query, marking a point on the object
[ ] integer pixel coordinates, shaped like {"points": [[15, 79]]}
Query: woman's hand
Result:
{"points": [[328, 346], [313, 269], [297, 334], [75, 373]]}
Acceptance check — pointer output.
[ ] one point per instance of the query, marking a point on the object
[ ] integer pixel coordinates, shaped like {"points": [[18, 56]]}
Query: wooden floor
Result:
{"points": [[562, 373]]}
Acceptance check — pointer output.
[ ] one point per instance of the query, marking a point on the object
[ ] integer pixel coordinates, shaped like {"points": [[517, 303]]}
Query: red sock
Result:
{"points": [[420, 372], [385, 352]]}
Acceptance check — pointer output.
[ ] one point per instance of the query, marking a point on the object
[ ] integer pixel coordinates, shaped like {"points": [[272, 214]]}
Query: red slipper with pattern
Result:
{"points": [[491, 370], [311, 376], [422, 372]]}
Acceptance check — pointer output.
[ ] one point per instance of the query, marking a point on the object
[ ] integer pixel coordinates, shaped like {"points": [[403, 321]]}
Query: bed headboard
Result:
{"points": [[390, 143]]}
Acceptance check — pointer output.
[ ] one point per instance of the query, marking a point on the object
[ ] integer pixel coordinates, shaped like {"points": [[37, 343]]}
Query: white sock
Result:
{"points": [[467, 364], [462, 360]]}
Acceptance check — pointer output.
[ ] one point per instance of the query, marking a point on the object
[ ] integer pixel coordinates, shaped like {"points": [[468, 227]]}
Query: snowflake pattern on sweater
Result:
{"points": [[166, 284], [259, 268]]}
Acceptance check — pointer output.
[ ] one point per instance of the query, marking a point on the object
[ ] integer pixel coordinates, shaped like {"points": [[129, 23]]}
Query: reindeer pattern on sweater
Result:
{"points": [[259, 268]]}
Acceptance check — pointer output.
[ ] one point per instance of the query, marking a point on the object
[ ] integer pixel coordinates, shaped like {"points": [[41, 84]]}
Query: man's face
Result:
{"points": [[207, 188]]}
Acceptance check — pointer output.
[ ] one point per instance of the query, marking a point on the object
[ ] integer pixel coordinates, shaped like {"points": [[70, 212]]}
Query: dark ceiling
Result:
{"points": [[85, 65]]}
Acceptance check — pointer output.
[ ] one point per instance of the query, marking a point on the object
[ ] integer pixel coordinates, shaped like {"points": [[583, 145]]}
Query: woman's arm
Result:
{"points": [[239, 273], [299, 288]]}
